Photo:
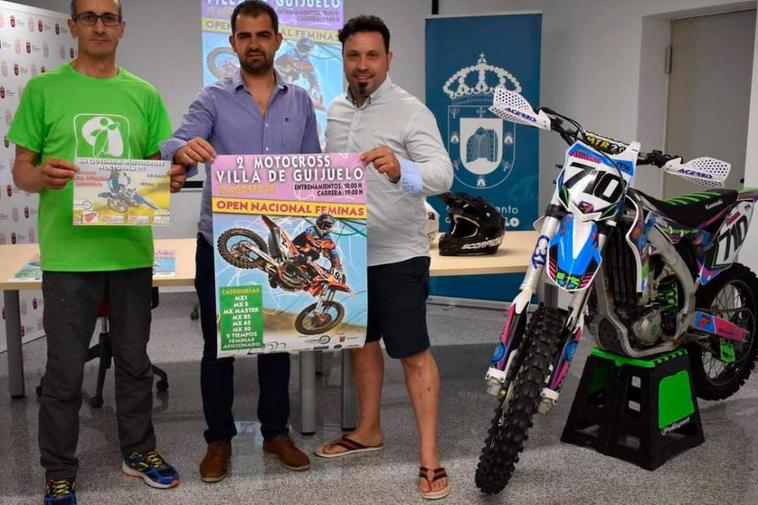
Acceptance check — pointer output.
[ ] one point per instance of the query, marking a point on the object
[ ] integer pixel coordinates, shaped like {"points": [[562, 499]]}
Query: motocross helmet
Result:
{"points": [[476, 226], [304, 45], [325, 223]]}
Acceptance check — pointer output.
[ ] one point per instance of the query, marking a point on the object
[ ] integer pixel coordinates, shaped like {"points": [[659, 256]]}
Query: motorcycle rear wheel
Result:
{"points": [[232, 259], [116, 204], [513, 416], [732, 295]]}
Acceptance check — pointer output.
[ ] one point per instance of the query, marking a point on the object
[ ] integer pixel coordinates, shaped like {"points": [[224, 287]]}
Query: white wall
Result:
{"points": [[749, 254], [592, 66], [602, 62]]}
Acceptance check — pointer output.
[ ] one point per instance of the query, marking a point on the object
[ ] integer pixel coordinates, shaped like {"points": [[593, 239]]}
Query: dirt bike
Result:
{"points": [[124, 199], [647, 276], [289, 270]]}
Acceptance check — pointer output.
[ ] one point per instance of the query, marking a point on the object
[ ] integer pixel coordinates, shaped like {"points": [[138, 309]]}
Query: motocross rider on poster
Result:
{"points": [[316, 241], [118, 181]]}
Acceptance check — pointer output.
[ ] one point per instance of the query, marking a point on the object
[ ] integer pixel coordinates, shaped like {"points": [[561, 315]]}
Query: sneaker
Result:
{"points": [[60, 492], [152, 468]]}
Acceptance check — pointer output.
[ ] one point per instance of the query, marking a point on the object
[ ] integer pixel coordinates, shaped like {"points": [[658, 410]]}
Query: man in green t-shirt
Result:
{"points": [[91, 108]]}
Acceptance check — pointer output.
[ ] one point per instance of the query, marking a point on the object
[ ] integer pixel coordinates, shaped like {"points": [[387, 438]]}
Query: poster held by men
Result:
{"points": [[290, 252]]}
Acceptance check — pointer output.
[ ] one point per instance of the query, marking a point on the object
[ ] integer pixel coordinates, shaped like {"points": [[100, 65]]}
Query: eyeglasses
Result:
{"points": [[90, 18]]}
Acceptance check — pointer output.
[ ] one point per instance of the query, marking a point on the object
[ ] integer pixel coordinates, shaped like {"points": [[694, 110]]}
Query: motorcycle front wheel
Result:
{"points": [[513, 416], [309, 322], [233, 237]]}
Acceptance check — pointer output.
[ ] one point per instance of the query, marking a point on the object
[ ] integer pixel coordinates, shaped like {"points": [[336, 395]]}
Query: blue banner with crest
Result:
{"points": [[466, 59]]}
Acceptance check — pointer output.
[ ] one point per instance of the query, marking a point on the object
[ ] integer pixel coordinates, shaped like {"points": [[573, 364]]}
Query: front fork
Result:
{"points": [[515, 324], [501, 369], [573, 330], [324, 299], [560, 368]]}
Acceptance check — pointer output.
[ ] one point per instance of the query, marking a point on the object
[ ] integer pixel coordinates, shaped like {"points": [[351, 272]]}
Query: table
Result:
{"points": [[13, 257], [512, 257]]}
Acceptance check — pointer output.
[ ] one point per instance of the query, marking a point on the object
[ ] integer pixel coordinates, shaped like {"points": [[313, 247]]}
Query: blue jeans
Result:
{"points": [[217, 375]]}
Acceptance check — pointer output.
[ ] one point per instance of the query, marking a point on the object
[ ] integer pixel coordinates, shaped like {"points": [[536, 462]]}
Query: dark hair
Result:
{"points": [[365, 24], [255, 8], [73, 9]]}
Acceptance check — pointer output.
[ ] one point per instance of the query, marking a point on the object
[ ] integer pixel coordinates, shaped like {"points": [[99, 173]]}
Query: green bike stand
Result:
{"points": [[640, 410]]}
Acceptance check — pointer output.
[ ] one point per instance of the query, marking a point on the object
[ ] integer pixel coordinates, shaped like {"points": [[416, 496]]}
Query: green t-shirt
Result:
{"points": [[56, 118]]}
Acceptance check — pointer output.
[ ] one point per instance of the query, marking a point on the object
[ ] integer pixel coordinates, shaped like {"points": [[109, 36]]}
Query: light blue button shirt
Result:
{"points": [[226, 115]]}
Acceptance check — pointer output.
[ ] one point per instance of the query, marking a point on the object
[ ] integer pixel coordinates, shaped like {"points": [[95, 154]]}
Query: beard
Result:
{"points": [[258, 66], [360, 89]]}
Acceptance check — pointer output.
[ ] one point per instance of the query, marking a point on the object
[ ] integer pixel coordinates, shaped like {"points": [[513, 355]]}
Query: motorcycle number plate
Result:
{"points": [[589, 182]]}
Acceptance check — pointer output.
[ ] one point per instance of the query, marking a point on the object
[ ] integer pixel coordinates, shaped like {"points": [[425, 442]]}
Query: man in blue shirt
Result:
{"points": [[252, 112]]}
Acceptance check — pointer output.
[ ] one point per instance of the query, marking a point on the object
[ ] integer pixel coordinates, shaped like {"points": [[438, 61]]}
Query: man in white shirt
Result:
{"points": [[402, 147]]}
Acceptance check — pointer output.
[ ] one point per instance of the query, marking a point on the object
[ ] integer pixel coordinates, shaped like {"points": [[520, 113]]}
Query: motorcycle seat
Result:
{"points": [[695, 209]]}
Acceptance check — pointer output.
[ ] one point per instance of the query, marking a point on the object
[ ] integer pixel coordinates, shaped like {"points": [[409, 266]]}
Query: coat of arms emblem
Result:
{"points": [[481, 145]]}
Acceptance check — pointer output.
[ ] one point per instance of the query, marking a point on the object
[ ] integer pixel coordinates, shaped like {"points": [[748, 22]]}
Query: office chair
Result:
{"points": [[103, 351]]}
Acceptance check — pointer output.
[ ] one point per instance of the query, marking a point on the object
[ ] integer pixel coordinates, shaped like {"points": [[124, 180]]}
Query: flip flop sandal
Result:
{"points": [[437, 474], [350, 446]]}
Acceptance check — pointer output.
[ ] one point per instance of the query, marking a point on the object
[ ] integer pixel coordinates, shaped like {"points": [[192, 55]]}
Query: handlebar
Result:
{"points": [[600, 142], [511, 106]]}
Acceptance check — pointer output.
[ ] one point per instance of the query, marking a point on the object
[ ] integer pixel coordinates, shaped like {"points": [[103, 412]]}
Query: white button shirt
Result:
{"points": [[396, 215]]}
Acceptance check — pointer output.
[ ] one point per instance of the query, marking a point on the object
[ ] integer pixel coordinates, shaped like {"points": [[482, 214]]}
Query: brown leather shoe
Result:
{"points": [[289, 456], [215, 464]]}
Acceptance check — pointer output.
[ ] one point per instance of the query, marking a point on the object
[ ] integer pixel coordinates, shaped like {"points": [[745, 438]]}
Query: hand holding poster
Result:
{"points": [[121, 192], [290, 258]]}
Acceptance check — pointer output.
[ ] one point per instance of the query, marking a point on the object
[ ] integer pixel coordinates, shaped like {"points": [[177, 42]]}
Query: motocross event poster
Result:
{"points": [[310, 55], [290, 252], [122, 192]]}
